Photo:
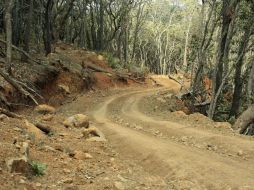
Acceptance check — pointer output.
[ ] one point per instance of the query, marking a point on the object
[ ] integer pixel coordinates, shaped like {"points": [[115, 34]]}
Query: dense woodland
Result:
{"points": [[207, 40]]}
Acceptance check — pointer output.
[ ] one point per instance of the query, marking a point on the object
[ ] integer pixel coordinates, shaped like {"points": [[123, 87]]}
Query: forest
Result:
{"points": [[127, 94], [208, 41]]}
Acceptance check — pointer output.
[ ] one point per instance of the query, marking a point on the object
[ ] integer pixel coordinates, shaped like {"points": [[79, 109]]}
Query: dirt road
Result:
{"points": [[172, 151]]}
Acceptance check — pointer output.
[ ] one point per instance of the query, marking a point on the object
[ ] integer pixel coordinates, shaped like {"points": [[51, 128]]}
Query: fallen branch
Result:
{"points": [[10, 114], [174, 79], [30, 89], [206, 103], [21, 51]]}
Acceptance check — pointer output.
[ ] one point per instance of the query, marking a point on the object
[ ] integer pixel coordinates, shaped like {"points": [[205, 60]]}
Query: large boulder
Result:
{"points": [[45, 109], [78, 120]]}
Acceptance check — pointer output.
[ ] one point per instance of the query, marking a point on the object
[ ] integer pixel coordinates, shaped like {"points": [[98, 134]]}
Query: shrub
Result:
{"points": [[38, 168], [113, 62]]}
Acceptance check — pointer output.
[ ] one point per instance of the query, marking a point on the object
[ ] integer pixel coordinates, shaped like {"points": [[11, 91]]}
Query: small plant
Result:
{"points": [[113, 62], [38, 168], [50, 134]]}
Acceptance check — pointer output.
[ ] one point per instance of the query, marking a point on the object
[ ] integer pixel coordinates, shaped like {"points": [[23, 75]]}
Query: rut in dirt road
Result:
{"points": [[180, 166]]}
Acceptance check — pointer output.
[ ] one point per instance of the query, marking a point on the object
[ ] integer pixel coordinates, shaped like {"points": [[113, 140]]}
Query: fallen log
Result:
{"points": [[99, 69], [44, 128], [96, 68]]}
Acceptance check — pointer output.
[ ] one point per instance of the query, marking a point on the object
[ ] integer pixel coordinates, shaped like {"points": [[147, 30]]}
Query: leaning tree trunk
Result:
{"points": [[238, 73], [8, 26], [245, 119]]}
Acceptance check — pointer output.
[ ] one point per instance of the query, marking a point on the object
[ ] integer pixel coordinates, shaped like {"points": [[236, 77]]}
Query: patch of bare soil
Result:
{"points": [[167, 106]]}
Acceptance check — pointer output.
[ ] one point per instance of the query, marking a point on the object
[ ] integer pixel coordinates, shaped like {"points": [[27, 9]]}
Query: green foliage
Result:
{"points": [[222, 112], [113, 61], [38, 168], [232, 120], [51, 134]]}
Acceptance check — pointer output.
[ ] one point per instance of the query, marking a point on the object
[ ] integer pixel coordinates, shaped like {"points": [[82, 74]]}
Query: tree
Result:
{"points": [[8, 28], [28, 28], [47, 28], [245, 119]]}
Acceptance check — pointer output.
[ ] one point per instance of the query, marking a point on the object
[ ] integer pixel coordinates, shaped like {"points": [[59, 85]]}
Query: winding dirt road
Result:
{"points": [[171, 151]]}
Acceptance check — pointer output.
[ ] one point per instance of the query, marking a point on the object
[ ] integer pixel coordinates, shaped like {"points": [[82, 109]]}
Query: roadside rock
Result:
{"points": [[181, 113], [47, 117], [225, 125], [67, 180], [32, 129], [66, 171], [20, 165], [119, 186], [64, 88], [25, 150], [79, 121], [240, 153], [92, 132], [79, 155], [3, 117], [45, 109], [161, 100], [101, 58]]}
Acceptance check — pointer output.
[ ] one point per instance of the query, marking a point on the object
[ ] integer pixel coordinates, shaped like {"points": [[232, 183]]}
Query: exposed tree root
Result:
{"points": [[17, 85], [10, 114]]}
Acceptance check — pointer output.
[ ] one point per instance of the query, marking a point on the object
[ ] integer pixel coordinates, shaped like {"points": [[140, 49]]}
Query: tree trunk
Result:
{"points": [[136, 31], [250, 84], [93, 30], [48, 27], [245, 119], [185, 55], [228, 11], [8, 27], [63, 20], [238, 72], [201, 54], [101, 27], [28, 28]]}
